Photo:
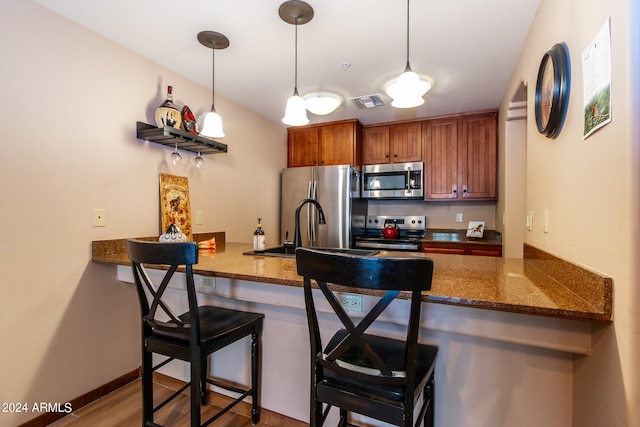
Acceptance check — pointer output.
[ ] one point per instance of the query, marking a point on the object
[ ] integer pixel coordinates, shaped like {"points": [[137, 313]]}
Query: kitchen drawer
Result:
{"points": [[444, 248], [461, 249]]}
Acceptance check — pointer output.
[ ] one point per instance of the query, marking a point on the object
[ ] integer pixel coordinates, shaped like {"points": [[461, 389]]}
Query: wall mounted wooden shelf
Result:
{"points": [[184, 140]]}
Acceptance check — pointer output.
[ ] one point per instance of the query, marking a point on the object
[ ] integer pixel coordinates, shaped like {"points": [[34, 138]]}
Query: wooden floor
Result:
{"points": [[122, 408]]}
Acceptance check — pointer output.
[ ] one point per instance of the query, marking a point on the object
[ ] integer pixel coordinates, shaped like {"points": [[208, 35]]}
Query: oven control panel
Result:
{"points": [[411, 222]]}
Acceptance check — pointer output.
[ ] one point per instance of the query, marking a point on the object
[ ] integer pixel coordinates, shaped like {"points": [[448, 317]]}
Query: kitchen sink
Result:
{"points": [[289, 252]]}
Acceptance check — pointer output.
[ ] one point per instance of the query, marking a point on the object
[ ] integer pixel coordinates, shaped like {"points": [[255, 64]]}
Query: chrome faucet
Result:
{"points": [[297, 239]]}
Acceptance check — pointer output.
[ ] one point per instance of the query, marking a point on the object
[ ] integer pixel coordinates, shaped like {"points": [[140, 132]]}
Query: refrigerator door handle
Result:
{"points": [[309, 212], [312, 212]]}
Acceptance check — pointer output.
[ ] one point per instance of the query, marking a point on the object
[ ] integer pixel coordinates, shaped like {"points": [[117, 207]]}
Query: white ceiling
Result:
{"points": [[469, 47]]}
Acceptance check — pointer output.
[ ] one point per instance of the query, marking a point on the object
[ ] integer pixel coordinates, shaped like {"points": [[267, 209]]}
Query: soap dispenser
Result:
{"points": [[259, 238]]}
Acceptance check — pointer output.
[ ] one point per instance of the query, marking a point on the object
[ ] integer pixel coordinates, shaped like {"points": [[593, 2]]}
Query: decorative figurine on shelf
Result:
{"points": [[167, 114], [173, 235], [189, 120]]}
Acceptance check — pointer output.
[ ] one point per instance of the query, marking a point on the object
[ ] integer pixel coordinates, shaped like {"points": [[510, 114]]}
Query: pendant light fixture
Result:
{"points": [[408, 89], [295, 12], [211, 123]]}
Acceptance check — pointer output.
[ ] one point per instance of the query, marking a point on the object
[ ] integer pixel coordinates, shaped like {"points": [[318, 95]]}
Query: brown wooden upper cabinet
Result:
{"points": [[334, 143], [392, 143], [461, 157], [441, 159]]}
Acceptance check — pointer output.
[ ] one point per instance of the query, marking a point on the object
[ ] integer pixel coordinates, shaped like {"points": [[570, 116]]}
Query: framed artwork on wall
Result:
{"points": [[174, 204]]}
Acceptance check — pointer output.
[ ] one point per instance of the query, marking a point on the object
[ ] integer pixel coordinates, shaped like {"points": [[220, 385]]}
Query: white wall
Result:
{"points": [[590, 188], [70, 101]]}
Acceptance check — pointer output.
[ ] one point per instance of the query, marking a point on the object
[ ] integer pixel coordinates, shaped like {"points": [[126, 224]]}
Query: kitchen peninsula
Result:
{"points": [[515, 285], [523, 318]]}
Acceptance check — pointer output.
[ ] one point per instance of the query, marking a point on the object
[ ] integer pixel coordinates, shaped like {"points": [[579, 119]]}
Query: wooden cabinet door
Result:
{"points": [[337, 144], [302, 147], [375, 145], [406, 142], [441, 159], [477, 157]]}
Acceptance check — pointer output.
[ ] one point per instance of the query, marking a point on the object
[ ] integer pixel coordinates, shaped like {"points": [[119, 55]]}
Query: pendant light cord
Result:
{"points": [[408, 67], [213, 76], [295, 74]]}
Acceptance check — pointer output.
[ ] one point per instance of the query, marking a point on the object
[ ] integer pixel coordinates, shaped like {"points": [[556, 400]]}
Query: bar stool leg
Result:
{"points": [[255, 377]]}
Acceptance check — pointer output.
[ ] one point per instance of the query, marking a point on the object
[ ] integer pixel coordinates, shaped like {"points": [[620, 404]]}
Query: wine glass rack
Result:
{"points": [[172, 137]]}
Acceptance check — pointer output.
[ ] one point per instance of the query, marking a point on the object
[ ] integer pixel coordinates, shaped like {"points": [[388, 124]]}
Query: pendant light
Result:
{"points": [[211, 123], [295, 12], [408, 89]]}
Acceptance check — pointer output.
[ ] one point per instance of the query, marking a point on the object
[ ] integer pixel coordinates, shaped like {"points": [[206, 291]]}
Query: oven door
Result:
{"points": [[392, 181]]}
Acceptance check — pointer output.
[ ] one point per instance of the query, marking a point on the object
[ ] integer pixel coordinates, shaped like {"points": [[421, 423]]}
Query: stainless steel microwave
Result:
{"points": [[393, 181]]}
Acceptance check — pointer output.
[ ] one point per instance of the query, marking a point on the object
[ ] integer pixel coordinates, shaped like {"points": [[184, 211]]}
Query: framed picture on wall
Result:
{"points": [[174, 204]]}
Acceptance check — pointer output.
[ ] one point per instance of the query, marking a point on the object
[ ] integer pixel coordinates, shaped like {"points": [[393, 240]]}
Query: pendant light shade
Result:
{"points": [[295, 12], [295, 114], [408, 89], [211, 122], [212, 125]]}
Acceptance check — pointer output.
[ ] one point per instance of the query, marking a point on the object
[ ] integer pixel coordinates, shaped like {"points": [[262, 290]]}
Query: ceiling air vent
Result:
{"points": [[368, 101]]}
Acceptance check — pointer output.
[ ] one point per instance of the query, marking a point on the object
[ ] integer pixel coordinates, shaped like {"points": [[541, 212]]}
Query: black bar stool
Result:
{"points": [[375, 376], [191, 336]]}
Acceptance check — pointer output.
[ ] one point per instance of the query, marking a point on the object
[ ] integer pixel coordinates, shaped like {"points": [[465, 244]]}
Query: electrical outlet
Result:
{"points": [[545, 220], [199, 218], [458, 217], [208, 282], [350, 302]]}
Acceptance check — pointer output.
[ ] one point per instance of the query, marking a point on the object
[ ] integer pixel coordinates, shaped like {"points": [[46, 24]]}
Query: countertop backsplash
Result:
{"points": [[439, 214]]}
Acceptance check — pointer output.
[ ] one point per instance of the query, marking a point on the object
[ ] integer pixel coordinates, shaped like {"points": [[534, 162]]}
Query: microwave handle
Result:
{"points": [[408, 179]]}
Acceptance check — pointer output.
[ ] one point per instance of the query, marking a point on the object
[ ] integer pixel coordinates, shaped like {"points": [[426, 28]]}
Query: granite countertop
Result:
{"points": [[441, 235], [540, 284]]}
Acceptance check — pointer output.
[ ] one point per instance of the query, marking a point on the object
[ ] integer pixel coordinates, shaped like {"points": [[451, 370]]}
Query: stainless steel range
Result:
{"points": [[411, 229]]}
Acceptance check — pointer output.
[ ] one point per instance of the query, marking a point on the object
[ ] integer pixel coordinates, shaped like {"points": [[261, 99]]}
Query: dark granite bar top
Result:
{"points": [[443, 235], [540, 284]]}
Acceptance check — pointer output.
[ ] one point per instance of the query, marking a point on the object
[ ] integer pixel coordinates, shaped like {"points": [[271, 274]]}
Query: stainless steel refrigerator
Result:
{"points": [[337, 189]]}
